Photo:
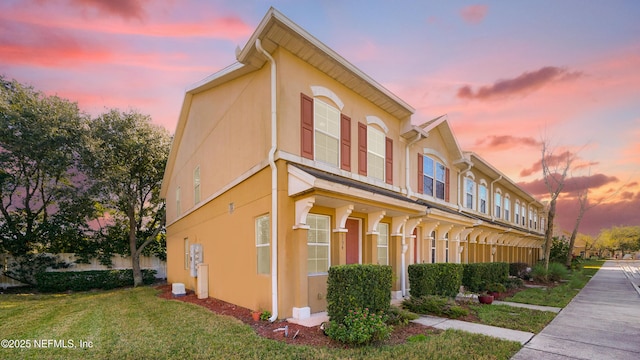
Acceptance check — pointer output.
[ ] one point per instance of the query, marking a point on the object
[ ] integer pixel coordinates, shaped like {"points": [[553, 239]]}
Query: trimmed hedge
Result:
{"points": [[356, 286], [477, 276], [441, 279], [87, 280]]}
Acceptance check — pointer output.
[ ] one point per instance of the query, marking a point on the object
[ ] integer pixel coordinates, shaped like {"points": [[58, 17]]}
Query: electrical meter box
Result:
{"points": [[195, 254]]}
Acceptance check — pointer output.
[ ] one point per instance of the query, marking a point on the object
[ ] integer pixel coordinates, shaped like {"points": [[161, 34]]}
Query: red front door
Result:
{"points": [[353, 241]]}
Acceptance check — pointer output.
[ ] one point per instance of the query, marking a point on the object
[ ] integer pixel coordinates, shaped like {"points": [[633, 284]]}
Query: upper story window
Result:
{"points": [[507, 208], [524, 215], [326, 132], [433, 179], [469, 190], [516, 209], [196, 185], [542, 224], [498, 203], [482, 198], [535, 221], [375, 153], [530, 218]]}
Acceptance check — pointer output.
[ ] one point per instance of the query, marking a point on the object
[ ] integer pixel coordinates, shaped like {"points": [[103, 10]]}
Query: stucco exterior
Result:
{"points": [[379, 203]]}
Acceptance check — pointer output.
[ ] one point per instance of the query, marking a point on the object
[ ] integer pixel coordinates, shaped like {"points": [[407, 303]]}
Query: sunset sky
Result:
{"points": [[508, 73]]}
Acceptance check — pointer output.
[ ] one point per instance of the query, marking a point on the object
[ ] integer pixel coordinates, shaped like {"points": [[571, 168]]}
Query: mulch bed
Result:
{"points": [[313, 336]]}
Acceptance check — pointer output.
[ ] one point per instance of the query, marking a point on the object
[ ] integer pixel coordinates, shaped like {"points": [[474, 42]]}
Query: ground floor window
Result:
{"points": [[433, 247], [263, 258], [383, 244], [318, 242]]}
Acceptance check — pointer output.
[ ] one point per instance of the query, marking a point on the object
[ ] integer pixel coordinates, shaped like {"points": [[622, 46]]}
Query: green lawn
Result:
{"points": [[515, 318], [136, 324], [561, 295]]}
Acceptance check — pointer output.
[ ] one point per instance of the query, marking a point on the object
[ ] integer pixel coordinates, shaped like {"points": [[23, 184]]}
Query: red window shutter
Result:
{"points": [[420, 175], [345, 142], [446, 185], [306, 130], [388, 161], [362, 149]]}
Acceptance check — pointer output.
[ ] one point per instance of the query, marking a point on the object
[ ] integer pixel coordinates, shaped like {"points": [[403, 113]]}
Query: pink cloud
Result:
{"points": [[603, 216], [552, 161], [520, 85], [503, 142], [124, 8], [474, 14]]}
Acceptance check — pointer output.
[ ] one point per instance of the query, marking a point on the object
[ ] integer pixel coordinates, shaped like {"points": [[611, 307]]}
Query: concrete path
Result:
{"points": [[601, 322], [507, 334]]}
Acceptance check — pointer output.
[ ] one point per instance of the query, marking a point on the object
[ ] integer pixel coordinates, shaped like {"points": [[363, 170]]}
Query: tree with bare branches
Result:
{"points": [[554, 173]]}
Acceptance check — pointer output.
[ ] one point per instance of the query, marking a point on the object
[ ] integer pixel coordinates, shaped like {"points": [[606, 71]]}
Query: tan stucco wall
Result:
{"points": [[228, 241]]}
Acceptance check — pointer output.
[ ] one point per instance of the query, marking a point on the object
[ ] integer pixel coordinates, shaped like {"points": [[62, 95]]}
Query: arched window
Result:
{"points": [[498, 203], [482, 197], [516, 218], [469, 190], [507, 207]]}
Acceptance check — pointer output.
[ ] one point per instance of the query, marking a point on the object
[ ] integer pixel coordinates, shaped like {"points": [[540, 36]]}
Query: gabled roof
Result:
{"points": [[441, 123], [275, 30]]}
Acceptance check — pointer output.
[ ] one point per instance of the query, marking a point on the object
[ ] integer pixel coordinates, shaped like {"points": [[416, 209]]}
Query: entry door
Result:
{"points": [[353, 241]]}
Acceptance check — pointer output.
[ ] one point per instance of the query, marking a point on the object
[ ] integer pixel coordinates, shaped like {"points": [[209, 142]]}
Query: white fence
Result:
{"points": [[118, 263]]}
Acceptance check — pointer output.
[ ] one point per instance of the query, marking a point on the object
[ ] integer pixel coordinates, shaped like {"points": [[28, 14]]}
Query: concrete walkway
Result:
{"points": [[601, 322], [442, 323]]}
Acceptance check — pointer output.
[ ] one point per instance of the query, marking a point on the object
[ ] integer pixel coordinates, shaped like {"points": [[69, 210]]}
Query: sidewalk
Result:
{"points": [[601, 322]]}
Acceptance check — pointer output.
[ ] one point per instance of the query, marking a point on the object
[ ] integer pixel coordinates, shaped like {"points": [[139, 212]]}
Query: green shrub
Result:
{"points": [[435, 279], [477, 276], [519, 269], [435, 305], [539, 273], [397, 316], [265, 315], [357, 287], [514, 283], [87, 280], [360, 327], [557, 272], [496, 287]]}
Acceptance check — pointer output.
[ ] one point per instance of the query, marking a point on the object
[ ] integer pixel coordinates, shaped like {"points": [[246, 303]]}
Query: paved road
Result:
{"points": [[601, 322]]}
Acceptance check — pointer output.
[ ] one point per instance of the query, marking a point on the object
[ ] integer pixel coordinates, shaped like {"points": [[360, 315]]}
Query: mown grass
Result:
{"points": [[136, 324], [560, 295], [515, 318]]}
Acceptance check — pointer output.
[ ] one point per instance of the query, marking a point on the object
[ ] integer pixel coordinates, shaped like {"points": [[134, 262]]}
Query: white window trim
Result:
{"points": [[382, 156], [316, 129], [262, 245], [328, 245], [386, 247]]}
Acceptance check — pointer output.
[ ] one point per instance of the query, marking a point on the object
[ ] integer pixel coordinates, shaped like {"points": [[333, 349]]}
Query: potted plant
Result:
{"points": [[495, 289], [485, 298], [255, 314]]}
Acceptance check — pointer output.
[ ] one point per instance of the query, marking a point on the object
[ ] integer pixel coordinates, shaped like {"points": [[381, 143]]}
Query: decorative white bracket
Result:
{"points": [[396, 223], [342, 213], [303, 206], [374, 219]]}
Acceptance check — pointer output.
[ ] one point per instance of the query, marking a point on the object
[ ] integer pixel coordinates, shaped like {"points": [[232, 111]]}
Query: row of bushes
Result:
{"points": [[87, 280], [446, 279]]}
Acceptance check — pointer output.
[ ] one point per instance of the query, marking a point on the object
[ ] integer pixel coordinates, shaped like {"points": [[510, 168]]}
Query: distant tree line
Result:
{"points": [[72, 183]]}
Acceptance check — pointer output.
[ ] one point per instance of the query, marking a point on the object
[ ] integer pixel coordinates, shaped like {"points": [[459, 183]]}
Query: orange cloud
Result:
{"points": [[474, 14], [523, 84]]}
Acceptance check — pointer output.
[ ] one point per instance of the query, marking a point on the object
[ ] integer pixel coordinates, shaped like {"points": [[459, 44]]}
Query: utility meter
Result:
{"points": [[195, 254]]}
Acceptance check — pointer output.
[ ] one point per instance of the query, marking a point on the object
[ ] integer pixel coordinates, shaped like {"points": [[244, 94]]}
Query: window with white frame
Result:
{"points": [[433, 247], [507, 208], [196, 185], [498, 203], [327, 132], [318, 242], [542, 223], [469, 189], [516, 209], [186, 253], [376, 143], [482, 198], [524, 215], [530, 218], [446, 247], [263, 255], [383, 244], [535, 221], [434, 177]]}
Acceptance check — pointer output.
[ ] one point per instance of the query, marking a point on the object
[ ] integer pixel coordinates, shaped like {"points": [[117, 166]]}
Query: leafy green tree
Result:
{"points": [[620, 238], [127, 159], [45, 198]]}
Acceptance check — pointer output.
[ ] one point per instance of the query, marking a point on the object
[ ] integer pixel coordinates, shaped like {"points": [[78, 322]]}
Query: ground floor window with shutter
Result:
{"points": [[318, 242], [383, 244], [263, 255]]}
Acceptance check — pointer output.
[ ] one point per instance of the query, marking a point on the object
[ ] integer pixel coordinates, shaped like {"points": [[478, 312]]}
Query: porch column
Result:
{"points": [[301, 309], [339, 238], [397, 256], [370, 246]]}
